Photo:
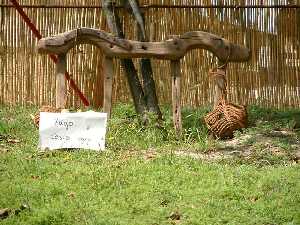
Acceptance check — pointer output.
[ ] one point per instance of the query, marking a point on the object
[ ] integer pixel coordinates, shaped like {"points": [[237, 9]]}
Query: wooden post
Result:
{"points": [[175, 71], [220, 86], [61, 88], [108, 68]]}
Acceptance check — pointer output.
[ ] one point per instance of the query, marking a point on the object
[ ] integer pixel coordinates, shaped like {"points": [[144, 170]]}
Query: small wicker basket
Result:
{"points": [[225, 119]]}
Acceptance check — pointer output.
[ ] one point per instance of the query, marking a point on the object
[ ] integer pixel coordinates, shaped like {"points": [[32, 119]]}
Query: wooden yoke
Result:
{"points": [[173, 49]]}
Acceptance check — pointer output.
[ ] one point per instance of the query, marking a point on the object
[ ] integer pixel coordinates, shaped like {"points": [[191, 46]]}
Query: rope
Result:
{"points": [[219, 75], [227, 59]]}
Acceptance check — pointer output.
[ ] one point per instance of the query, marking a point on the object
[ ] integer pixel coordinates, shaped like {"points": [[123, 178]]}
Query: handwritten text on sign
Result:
{"points": [[72, 130]]}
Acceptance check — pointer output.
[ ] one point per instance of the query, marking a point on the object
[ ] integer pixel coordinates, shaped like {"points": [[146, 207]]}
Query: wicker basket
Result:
{"points": [[225, 119]]}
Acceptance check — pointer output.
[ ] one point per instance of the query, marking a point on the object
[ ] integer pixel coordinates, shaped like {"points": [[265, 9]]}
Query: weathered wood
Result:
{"points": [[145, 64], [138, 15], [172, 49], [115, 26], [61, 88], [108, 68], [175, 71]]}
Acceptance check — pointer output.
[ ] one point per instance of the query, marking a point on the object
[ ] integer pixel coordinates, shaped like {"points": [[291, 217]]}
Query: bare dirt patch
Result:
{"points": [[269, 147]]}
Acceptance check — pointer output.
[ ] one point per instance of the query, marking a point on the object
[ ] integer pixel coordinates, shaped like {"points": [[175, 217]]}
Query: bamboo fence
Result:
{"points": [[271, 78]]}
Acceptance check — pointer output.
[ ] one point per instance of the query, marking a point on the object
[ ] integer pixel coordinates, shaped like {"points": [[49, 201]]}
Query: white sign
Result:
{"points": [[72, 130]]}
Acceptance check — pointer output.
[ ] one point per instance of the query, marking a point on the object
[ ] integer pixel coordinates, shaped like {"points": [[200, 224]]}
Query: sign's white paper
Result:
{"points": [[72, 130]]}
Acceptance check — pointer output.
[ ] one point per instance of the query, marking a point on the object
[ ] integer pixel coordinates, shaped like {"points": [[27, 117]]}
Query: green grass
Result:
{"points": [[124, 186], [126, 131]]}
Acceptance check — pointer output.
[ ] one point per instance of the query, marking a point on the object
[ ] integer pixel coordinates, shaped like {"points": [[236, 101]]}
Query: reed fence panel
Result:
{"points": [[271, 78]]}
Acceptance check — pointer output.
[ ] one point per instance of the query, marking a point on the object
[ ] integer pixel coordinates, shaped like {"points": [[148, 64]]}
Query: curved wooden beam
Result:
{"points": [[172, 49]]}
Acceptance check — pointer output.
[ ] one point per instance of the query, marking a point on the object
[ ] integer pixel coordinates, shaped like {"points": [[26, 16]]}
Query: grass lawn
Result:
{"points": [[148, 176]]}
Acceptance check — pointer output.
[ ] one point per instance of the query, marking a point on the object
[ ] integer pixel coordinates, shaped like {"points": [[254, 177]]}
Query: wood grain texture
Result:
{"points": [[172, 49], [176, 97], [61, 88], [108, 67]]}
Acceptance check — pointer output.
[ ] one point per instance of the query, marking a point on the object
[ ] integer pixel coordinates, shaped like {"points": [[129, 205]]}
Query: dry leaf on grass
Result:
{"points": [[35, 177], [150, 154], [71, 194], [13, 141], [175, 215], [4, 213]]}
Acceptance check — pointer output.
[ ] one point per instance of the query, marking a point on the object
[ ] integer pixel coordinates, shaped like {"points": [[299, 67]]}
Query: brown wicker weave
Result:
{"points": [[225, 119]]}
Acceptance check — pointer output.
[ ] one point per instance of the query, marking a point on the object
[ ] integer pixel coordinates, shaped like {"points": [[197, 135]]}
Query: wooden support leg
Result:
{"points": [[108, 68], [61, 88], [175, 71]]}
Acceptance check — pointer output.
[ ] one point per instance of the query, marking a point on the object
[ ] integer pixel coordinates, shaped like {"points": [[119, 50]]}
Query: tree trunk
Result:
{"points": [[145, 64], [149, 87], [145, 99]]}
